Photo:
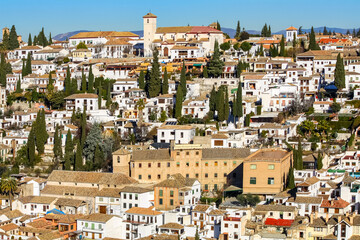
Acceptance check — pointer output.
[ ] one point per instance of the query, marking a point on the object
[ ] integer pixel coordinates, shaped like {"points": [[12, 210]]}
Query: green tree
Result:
{"points": [[163, 116], [325, 32], [50, 39], [83, 127], [238, 107], [69, 151], [282, 47], [215, 68], [28, 68], [41, 134], [165, 83], [81, 45], [220, 105], [154, 86], [93, 140], [5, 40], [212, 99], [183, 80], [31, 146], [91, 81], [98, 158], [226, 105], [299, 155], [18, 87], [67, 82], [57, 149], [205, 72], [178, 103], [78, 158], [83, 81], [291, 180], [319, 161], [13, 41], [238, 31], [225, 46], [245, 46], [74, 86], [35, 42], [9, 187], [218, 27], [142, 80], [312, 42], [29, 40], [339, 73], [108, 96], [99, 97], [335, 107]]}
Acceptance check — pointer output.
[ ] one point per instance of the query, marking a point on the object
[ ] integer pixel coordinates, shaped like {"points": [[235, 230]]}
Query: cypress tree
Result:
{"points": [[218, 27], [18, 87], [29, 40], [212, 100], [5, 40], [215, 65], [57, 149], [319, 161], [220, 105], [35, 42], [165, 84], [205, 72], [31, 146], [69, 150], [312, 42], [142, 80], [178, 103], [183, 80], [98, 158], [13, 41], [269, 31], [74, 86], [41, 134], [339, 73], [91, 81], [239, 106], [83, 81], [28, 68], [108, 97], [238, 31], [78, 158], [99, 96], [291, 180], [83, 127], [226, 105], [299, 156], [23, 70], [154, 86], [325, 32], [282, 47], [67, 82], [50, 39]]}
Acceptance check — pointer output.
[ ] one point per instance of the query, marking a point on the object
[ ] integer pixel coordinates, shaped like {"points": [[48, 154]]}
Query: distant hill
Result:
{"points": [[230, 31]]}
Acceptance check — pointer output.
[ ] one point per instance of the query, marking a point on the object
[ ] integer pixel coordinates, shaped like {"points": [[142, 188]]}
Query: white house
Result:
{"points": [[181, 134], [80, 101]]}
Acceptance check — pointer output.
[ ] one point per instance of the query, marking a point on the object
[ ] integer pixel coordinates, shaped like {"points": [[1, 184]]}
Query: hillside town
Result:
{"points": [[183, 132]]}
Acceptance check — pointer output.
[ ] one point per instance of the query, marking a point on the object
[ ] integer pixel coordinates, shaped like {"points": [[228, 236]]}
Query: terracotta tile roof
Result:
{"points": [[219, 136], [217, 212], [90, 177], [50, 236], [201, 208], [172, 226], [121, 41], [278, 222], [160, 154], [307, 200], [177, 127], [318, 222], [150, 15], [225, 153], [28, 48], [9, 227], [69, 202], [309, 181], [37, 199], [160, 237], [291, 28], [176, 181], [143, 211], [13, 214], [103, 34], [109, 192], [97, 217], [69, 190], [339, 203], [70, 218], [281, 208], [135, 189]]}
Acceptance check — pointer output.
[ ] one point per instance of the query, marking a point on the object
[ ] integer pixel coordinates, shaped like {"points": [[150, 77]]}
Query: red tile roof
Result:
{"points": [[291, 28], [278, 222], [203, 29], [339, 203]]}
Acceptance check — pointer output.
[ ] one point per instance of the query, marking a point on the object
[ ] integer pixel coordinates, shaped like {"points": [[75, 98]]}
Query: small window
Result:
{"points": [[252, 180], [206, 175], [171, 193], [160, 193], [252, 166], [271, 166], [225, 163], [197, 164], [270, 181], [215, 175]]}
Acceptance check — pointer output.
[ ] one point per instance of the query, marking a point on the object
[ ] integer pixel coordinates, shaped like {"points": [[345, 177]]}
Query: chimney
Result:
{"points": [[351, 218], [339, 218], [311, 218], [316, 214], [327, 217]]}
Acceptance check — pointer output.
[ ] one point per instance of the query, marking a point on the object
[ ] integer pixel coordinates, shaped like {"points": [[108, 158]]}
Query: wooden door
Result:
{"points": [[102, 209]]}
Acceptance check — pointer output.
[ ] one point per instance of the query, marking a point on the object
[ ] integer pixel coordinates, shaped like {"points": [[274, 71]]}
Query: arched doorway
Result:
{"points": [[166, 52]]}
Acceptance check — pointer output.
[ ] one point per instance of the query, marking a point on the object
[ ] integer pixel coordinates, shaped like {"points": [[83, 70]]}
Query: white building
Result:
{"points": [[181, 134], [80, 101], [291, 34]]}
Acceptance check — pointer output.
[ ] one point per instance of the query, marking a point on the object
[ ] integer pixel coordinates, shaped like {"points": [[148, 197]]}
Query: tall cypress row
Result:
{"points": [[142, 80], [339, 73], [179, 101], [78, 158], [67, 82], [154, 84], [183, 80], [69, 151], [165, 84], [29, 40], [83, 81], [31, 146], [226, 105], [83, 127]]}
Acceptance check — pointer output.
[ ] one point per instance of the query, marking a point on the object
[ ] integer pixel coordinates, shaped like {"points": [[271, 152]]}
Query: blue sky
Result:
{"points": [[59, 16]]}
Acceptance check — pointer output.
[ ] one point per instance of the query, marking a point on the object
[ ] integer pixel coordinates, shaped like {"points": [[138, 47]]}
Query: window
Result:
{"points": [[187, 175], [206, 187], [206, 164], [171, 193], [178, 164], [187, 153], [270, 181], [236, 226], [226, 225], [139, 176], [149, 176], [215, 175], [196, 175], [271, 166], [197, 164], [206, 175], [159, 164], [234, 162], [160, 201], [168, 164], [225, 163], [149, 165], [197, 153], [225, 174], [171, 202], [139, 165], [252, 166], [187, 164], [159, 176], [252, 180], [160, 193]]}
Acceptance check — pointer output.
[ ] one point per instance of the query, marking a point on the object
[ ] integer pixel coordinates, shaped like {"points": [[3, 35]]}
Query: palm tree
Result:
{"points": [[8, 187], [140, 105]]}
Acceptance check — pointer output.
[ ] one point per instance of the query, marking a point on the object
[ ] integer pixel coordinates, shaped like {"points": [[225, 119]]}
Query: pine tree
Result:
{"points": [[142, 80], [69, 151], [83, 81], [226, 105], [29, 40], [183, 80], [50, 39], [91, 81], [28, 68], [319, 161], [179, 101], [13, 41], [165, 83], [312, 42], [354, 33], [31, 146], [282, 47], [83, 127], [291, 180], [154, 86], [205, 72], [18, 87], [216, 65], [67, 82], [78, 158], [238, 31], [339, 73]]}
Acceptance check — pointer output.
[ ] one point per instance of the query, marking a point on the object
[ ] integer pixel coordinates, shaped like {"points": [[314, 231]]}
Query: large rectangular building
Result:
{"points": [[266, 171], [212, 167]]}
